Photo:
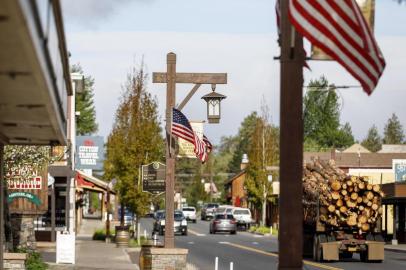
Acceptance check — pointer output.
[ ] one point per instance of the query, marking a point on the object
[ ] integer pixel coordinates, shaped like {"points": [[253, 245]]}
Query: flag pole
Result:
{"points": [[291, 148]]}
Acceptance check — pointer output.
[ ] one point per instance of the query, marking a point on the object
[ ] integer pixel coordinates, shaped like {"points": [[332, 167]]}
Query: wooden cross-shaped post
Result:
{"points": [[171, 78]]}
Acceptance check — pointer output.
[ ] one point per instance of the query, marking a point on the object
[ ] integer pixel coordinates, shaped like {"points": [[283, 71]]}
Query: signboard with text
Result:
{"points": [[187, 149], [399, 169], [27, 189], [89, 152], [153, 177]]}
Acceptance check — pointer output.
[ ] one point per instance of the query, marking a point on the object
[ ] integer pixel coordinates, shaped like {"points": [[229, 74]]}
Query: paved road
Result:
{"points": [[253, 252]]}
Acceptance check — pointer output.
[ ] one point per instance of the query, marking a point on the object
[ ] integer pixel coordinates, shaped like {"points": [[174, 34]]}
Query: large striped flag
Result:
{"points": [[340, 30], [182, 129]]}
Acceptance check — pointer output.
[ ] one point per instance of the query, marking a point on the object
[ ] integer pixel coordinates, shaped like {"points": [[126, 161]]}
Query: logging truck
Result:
{"points": [[341, 215]]}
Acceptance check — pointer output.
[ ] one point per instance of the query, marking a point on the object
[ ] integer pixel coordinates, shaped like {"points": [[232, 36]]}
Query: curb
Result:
{"points": [[395, 250]]}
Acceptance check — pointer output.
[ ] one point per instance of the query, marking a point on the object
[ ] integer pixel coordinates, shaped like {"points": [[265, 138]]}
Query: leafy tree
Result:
{"points": [[134, 140], [393, 131], [86, 121], [263, 151], [321, 113], [242, 141], [373, 141]]}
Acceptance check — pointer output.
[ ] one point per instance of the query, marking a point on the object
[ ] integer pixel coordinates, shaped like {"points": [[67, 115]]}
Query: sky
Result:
{"points": [[109, 37]]}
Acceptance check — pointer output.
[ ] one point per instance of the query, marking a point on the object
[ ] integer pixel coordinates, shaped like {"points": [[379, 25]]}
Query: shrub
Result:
{"points": [[35, 262], [100, 234]]}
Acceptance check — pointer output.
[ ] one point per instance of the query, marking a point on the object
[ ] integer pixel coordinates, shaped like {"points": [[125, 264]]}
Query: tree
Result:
{"points": [[263, 151], [242, 141], [373, 141], [134, 140], [393, 131], [321, 117], [86, 121]]}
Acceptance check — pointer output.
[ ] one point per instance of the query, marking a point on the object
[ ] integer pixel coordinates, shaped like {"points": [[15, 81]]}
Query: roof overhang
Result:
{"points": [[34, 73]]}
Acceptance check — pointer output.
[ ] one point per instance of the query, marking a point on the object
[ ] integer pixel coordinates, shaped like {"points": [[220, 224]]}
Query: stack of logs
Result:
{"points": [[342, 200]]}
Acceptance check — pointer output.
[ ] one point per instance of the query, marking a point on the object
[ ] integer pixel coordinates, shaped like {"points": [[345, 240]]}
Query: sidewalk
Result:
{"points": [[91, 254], [396, 248]]}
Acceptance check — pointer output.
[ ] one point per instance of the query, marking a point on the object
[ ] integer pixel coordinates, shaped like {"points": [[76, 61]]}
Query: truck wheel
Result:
{"points": [[317, 250], [364, 256]]}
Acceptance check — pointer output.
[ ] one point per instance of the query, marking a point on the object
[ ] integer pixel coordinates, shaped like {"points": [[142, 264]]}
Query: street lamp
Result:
{"points": [[213, 100]]}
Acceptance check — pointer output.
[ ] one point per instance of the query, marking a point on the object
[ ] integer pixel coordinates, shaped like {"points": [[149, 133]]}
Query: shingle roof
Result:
{"points": [[352, 160]]}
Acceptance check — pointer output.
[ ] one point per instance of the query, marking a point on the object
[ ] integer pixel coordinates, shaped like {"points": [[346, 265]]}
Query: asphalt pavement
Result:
{"points": [[255, 252]]}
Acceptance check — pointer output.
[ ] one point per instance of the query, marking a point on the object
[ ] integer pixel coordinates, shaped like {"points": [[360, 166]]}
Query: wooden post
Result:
{"points": [[108, 218], [291, 152], [53, 213], [1, 204], [170, 154]]}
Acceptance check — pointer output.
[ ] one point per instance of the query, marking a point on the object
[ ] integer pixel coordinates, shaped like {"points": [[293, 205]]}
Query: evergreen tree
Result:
{"points": [[242, 141], [84, 103], [134, 140], [393, 132], [373, 141], [321, 113]]}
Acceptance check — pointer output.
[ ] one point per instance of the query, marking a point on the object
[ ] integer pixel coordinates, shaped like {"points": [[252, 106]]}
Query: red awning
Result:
{"points": [[82, 182]]}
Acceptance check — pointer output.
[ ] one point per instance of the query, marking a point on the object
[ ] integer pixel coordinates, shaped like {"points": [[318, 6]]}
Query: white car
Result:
{"points": [[190, 213], [242, 216]]}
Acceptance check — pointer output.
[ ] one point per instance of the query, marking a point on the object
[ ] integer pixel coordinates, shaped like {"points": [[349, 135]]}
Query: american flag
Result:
{"points": [[340, 30], [182, 129]]}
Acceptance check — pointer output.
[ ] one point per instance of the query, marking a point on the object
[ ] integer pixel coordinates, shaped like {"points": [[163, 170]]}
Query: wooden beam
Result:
{"points": [[196, 78], [188, 97]]}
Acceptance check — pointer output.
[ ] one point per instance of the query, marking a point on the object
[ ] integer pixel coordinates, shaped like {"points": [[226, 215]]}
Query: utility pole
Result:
{"points": [[265, 180], [171, 78], [1, 205], [291, 152]]}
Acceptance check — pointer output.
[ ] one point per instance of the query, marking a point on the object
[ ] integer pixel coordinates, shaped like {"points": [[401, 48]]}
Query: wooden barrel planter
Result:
{"points": [[122, 236]]}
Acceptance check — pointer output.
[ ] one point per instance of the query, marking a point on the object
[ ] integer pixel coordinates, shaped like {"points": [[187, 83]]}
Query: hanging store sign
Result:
{"points": [[25, 177], [399, 169], [187, 149], [29, 196], [153, 177], [89, 152], [368, 10]]}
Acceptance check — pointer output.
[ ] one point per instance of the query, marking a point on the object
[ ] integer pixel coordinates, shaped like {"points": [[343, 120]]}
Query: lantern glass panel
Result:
{"points": [[214, 107]]}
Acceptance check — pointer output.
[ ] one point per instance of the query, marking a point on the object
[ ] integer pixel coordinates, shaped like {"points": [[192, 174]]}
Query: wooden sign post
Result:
{"points": [[291, 148], [171, 78]]}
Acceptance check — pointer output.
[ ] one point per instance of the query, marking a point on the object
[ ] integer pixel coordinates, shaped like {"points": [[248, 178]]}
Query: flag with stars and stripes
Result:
{"points": [[340, 30], [182, 129]]}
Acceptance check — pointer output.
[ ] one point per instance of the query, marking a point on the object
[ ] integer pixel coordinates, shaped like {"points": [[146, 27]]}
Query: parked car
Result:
{"points": [[179, 225], [190, 213], [158, 216], [223, 223], [243, 217], [208, 210], [224, 209]]}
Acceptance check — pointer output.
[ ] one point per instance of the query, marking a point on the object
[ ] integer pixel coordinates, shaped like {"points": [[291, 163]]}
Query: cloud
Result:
{"points": [[252, 73], [91, 12]]}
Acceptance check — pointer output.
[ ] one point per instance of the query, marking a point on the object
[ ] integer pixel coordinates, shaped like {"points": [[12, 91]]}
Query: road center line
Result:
{"points": [[276, 255], [196, 233]]}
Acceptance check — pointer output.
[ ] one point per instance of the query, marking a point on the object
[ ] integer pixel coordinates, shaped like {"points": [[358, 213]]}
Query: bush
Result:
{"points": [[263, 230], [100, 234], [134, 243], [35, 262]]}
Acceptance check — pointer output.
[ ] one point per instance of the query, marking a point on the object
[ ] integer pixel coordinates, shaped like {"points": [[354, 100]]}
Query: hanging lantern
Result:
{"points": [[213, 105]]}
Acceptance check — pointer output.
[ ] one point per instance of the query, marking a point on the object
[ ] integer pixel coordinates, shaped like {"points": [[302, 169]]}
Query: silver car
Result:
{"points": [[223, 223]]}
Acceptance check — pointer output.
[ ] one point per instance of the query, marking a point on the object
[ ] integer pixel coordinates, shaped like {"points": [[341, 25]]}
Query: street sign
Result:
{"points": [[153, 177], [399, 169]]}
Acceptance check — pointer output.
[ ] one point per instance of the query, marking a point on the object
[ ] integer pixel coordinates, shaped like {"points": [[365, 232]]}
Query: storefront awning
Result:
{"points": [[84, 181]]}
